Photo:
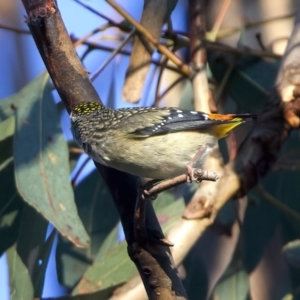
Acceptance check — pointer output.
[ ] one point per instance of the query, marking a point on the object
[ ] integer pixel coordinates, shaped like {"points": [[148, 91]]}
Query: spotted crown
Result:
{"points": [[86, 108]]}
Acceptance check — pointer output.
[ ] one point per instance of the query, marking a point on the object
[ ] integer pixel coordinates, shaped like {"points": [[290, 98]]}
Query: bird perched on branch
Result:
{"points": [[157, 143]]}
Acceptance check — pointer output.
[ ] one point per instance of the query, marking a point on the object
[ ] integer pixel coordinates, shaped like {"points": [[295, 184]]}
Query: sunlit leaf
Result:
{"points": [[292, 253], [42, 161], [99, 216], [233, 286]]}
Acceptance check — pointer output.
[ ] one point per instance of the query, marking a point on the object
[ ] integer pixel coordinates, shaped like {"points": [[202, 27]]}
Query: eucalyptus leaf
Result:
{"points": [[234, 286], [115, 267], [11, 206], [30, 245], [19, 279], [99, 216], [41, 161]]}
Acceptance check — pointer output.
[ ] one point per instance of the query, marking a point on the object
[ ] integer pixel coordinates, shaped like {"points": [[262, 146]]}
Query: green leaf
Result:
{"points": [[19, 279], [42, 161], [252, 74], [114, 267], [11, 206], [101, 295], [167, 209], [292, 253], [31, 244], [9, 105], [94, 203], [233, 286], [7, 128]]}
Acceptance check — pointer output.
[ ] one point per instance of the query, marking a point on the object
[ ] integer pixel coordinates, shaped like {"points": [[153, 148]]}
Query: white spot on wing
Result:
{"points": [[180, 115], [179, 111], [193, 112], [170, 118]]}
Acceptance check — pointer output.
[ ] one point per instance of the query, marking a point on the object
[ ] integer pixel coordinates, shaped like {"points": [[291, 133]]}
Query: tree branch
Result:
{"points": [[73, 85]]}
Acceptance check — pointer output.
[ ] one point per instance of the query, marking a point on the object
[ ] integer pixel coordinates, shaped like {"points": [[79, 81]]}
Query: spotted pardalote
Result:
{"points": [[150, 142]]}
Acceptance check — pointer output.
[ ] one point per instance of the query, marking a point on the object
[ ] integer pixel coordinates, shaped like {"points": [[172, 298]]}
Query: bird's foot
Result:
{"points": [[197, 175]]}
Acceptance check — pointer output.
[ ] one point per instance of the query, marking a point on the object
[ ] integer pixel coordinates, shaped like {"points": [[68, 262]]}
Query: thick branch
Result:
{"points": [[57, 51], [198, 54], [155, 13], [74, 86]]}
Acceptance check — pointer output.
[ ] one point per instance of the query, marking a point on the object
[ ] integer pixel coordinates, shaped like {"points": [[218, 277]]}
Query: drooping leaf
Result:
{"points": [[11, 207], [19, 279], [30, 244], [99, 216], [233, 286], [41, 161]]}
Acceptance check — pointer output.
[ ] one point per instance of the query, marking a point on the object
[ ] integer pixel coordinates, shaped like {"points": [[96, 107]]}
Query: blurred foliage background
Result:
{"points": [[252, 251]]}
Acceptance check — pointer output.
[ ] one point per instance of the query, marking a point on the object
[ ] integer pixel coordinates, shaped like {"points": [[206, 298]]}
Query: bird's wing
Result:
{"points": [[155, 121]]}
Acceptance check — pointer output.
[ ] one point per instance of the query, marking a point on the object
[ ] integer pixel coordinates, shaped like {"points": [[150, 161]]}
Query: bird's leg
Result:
{"points": [[140, 227], [197, 175], [192, 173]]}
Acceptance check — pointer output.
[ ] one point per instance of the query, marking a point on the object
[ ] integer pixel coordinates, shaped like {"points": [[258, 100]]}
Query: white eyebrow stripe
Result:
{"points": [[179, 111]]}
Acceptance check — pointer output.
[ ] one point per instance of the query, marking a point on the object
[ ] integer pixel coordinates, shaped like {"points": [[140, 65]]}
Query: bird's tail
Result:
{"points": [[228, 122]]}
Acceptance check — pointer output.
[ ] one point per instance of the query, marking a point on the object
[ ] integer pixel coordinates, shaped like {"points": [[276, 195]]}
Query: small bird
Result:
{"points": [[158, 143]]}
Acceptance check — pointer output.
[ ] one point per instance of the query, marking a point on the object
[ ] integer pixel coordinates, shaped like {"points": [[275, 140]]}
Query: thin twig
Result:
{"points": [[127, 52], [212, 35], [111, 21], [168, 89], [113, 54], [73, 182], [16, 30], [185, 69], [170, 183], [75, 150], [84, 38]]}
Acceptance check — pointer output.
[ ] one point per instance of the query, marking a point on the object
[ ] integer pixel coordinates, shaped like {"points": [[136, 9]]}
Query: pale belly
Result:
{"points": [[159, 157]]}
